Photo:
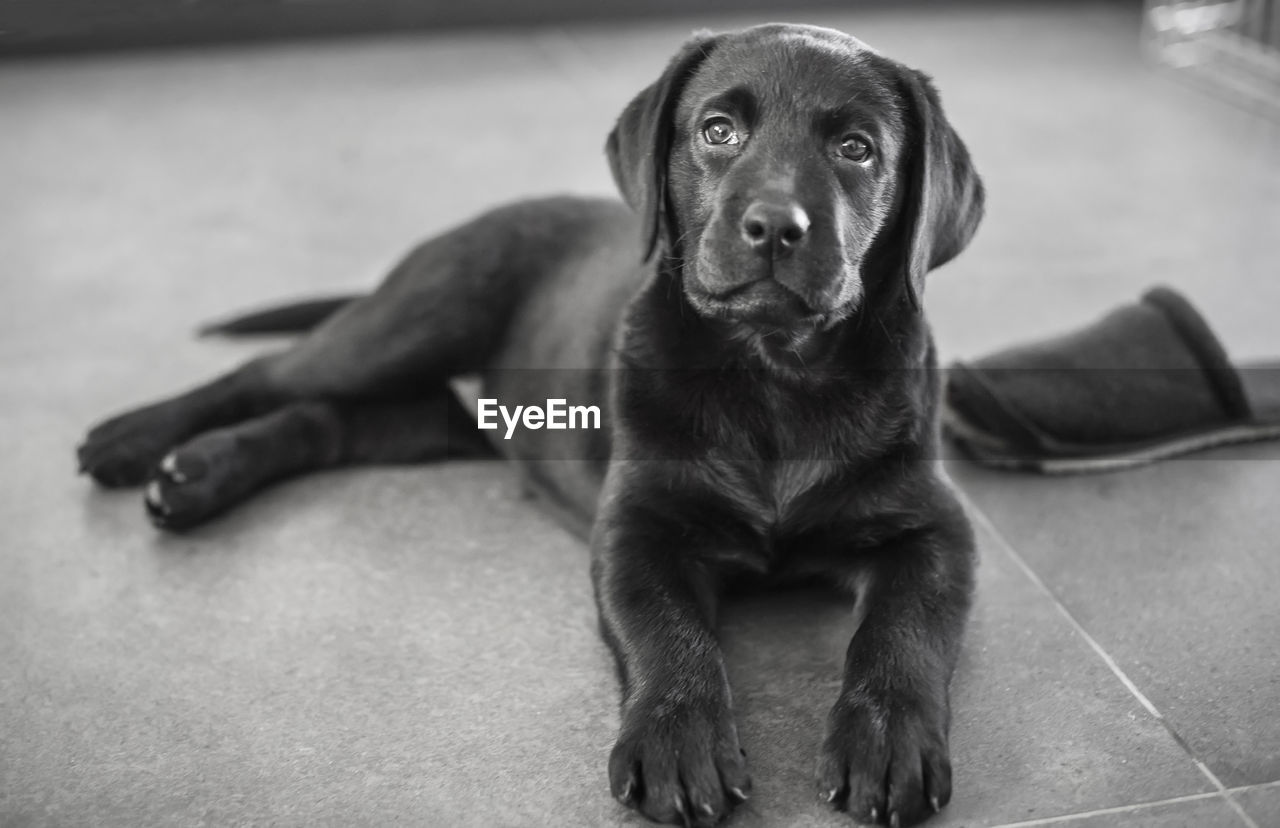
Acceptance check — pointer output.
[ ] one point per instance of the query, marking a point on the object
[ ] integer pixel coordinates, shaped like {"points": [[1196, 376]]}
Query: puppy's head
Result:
{"points": [[794, 173]]}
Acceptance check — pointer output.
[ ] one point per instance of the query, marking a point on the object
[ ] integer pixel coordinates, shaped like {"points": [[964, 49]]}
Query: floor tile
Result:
{"points": [[1042, 728], [1261, 803], [1208, 812], [406, 640], [1171, 569], [357, 648]]}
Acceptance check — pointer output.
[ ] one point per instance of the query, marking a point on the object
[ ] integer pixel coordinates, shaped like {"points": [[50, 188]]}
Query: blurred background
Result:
{"points": [[1234, 42]]}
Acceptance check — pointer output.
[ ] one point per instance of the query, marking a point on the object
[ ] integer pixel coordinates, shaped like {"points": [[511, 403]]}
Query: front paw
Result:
{"points": [[885, 760], [678, 761]]}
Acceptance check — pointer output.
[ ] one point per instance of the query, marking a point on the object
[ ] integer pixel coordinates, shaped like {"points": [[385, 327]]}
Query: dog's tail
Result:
{"points": [[295, 317]]}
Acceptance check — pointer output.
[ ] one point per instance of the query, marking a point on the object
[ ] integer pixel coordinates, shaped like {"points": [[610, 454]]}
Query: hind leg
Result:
{"points": [[218, 469], [440, 313]]}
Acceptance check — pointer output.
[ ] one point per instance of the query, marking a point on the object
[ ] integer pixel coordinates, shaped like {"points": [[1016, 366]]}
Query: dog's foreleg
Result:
{"points": [[677, 758], [885, 757]]}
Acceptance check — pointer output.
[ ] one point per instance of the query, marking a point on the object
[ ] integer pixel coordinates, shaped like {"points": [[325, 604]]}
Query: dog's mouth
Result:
{"points": [[763, 302]]}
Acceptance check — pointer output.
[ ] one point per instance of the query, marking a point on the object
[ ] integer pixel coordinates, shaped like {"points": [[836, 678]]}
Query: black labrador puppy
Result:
{"points": [[751, 329]]}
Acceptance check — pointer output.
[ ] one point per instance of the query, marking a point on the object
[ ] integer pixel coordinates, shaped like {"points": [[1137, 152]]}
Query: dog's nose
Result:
{"points": [[774, 228]]}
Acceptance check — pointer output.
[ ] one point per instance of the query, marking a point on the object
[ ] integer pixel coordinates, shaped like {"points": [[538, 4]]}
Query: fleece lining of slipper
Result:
{"points": [[1145, 382]]}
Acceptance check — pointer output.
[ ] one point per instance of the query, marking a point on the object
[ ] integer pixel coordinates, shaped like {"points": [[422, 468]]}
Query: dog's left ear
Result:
{"points": [[944, 196], [639, 144]]}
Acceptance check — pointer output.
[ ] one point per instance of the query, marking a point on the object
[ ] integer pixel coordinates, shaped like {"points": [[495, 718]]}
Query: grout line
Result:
{"points": [[1121, 809], [1261, 786], [1003, 542], [1140, 806], [1237, 807], [1240, 811]]}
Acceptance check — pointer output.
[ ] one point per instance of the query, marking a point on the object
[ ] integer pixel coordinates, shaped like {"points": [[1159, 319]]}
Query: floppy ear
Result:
{"points": [[944, 196], [640, 142]]}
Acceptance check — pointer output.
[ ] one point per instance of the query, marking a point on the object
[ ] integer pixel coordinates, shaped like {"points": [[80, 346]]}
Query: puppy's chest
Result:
{"points": [[769, 453], [772, 490], [785, 470], [767, 503]]}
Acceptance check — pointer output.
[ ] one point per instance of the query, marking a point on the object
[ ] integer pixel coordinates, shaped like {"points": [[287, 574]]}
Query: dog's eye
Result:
{"points": [[856, 148], [719, 131]]}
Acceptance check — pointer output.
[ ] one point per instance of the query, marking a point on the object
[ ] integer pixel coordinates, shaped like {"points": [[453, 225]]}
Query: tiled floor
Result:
{"points": [[418, 646]]}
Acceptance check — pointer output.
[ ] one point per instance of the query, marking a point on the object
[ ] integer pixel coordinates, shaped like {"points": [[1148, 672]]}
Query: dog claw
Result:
{"points": [[169, 465], [739, 793], [682, 808], [830, 796], [894, 821], [933, 803], [707, 809], [875, 815], [155, 498]]}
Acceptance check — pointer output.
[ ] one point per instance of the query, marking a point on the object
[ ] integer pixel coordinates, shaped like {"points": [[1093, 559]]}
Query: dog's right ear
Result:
{"points": [[639, 144]]}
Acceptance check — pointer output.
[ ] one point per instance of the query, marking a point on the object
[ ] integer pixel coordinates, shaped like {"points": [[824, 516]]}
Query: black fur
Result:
{"points": [[767, 385]]}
